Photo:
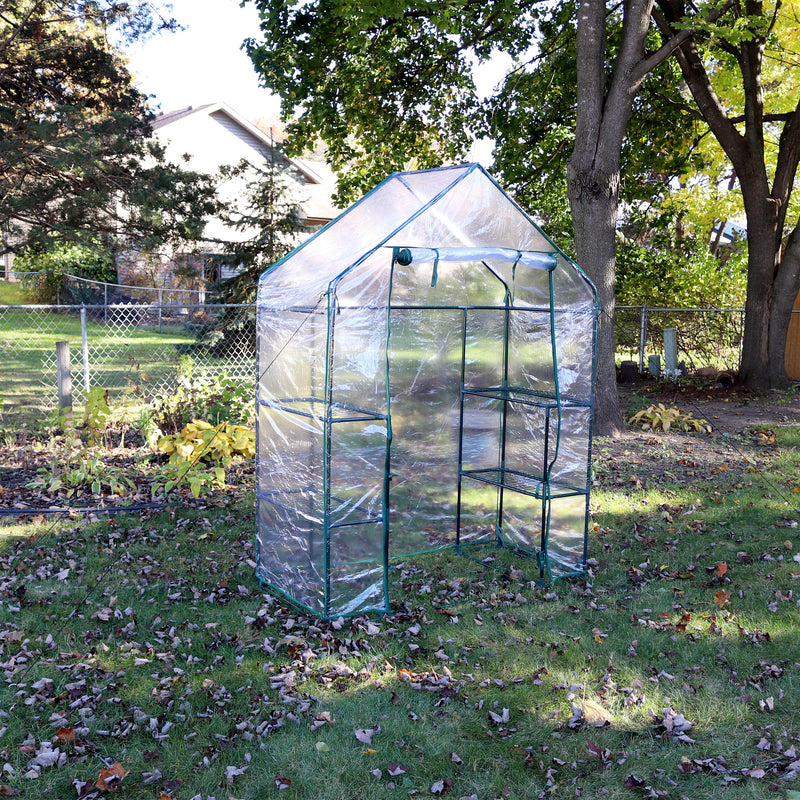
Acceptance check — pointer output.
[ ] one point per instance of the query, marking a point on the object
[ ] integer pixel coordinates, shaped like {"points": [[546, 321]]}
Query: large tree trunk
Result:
{"points": [[773, 272], [755, 369], [773, 279], [603, 109], [593, 199], [784, 285]]}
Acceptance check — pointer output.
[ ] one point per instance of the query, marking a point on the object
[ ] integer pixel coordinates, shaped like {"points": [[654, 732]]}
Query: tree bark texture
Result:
{"points": [[773, 269], [604, 105], [594, 201]]}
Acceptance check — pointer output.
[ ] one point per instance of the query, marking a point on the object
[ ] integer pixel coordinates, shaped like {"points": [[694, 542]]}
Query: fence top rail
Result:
{"points": [[124, 306], [679, 310], [130, 286]]}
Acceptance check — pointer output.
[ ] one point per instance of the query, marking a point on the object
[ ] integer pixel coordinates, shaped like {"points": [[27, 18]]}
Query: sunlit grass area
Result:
{"points": [[143, 644]]}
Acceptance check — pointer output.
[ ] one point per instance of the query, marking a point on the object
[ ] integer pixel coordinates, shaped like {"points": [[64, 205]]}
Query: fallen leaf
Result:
{"points": [[111, 777], [441, 786], [281, 782], [591, 713], [498, 719], [364, 735], [721, 598], [66, 735], [754, 773]]}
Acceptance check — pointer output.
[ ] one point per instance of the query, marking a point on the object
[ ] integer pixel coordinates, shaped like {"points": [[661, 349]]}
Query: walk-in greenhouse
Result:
{"points": [[425, 381]]}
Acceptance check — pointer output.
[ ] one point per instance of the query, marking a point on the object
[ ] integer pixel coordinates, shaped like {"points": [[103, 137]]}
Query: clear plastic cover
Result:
{"points": [[426, 370]]}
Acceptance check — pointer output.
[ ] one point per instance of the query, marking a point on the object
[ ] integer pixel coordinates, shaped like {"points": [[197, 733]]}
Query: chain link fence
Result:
{"points": [[706, 338], [130, 343], [125, 347]]}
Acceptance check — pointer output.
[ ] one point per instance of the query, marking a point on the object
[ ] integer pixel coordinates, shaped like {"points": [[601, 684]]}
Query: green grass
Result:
{"points": [[148, 641], [12, 294], [117, 358]]}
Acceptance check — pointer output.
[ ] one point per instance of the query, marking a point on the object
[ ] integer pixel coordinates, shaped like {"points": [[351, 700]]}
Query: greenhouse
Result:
{"points": [[425, 381]]}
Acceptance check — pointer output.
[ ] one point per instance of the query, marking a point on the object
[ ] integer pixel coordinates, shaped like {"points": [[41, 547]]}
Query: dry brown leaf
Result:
{"points": [[66, 735], [721, 598], [111, 777], [594, 714]]}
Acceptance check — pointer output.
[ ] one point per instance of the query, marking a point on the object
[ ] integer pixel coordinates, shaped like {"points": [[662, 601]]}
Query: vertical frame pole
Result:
{"points": [[461, 426], [85, 350], [642, 338], [64, 377], [327, 444], [498, 525]]}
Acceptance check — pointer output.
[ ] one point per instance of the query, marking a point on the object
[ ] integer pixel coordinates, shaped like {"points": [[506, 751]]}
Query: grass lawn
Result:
{"points": [[12, 294], [139, 652], [119, 356]]}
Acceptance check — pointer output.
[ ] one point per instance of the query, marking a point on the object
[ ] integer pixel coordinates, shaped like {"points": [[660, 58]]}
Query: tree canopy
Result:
{"points": [[392, 86], [743, 74], [75, 154], [386, 85]]}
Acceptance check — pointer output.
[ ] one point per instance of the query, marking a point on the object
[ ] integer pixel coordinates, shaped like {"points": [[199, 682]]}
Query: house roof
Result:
{"points": [[310, 173], [166, 118], [317, 178]]}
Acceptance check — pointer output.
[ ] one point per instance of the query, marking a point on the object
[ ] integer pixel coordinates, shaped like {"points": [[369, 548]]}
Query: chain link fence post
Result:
{"points": [[85, 351]]}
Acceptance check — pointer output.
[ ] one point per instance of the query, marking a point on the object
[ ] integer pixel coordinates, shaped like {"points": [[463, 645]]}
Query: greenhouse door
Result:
{"points": [[355, 451]]}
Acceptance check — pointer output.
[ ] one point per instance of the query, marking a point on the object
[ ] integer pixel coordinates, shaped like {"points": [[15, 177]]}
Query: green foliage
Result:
{"points": [[269, 215], [201, 441], [660, 417], [75, 465], [532, 119], [97, 413], [199, 478], [385, 86], [660, 266], [75, 148], [199, 396], [52, 262], [201, 422], [744, 79], [90, 471]]}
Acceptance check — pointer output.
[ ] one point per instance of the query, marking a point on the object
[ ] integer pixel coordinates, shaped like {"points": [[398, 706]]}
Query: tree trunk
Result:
{"points": [[773, 273], [754, 370], [773, 278], [769, 311], [604, 105], [593, 199]]}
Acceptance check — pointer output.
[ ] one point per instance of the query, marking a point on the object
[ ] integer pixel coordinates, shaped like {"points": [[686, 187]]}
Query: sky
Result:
{"points": [[205, 64]]}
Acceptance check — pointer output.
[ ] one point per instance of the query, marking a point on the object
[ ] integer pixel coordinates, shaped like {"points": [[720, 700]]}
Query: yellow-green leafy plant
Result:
{"points": [[660, 417], [199, 479], [202, 441], [89, 472], [97, 413]]}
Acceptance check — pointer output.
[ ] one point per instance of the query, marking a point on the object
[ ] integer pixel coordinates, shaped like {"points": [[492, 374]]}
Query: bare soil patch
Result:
{"points": [[743, 424]]}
